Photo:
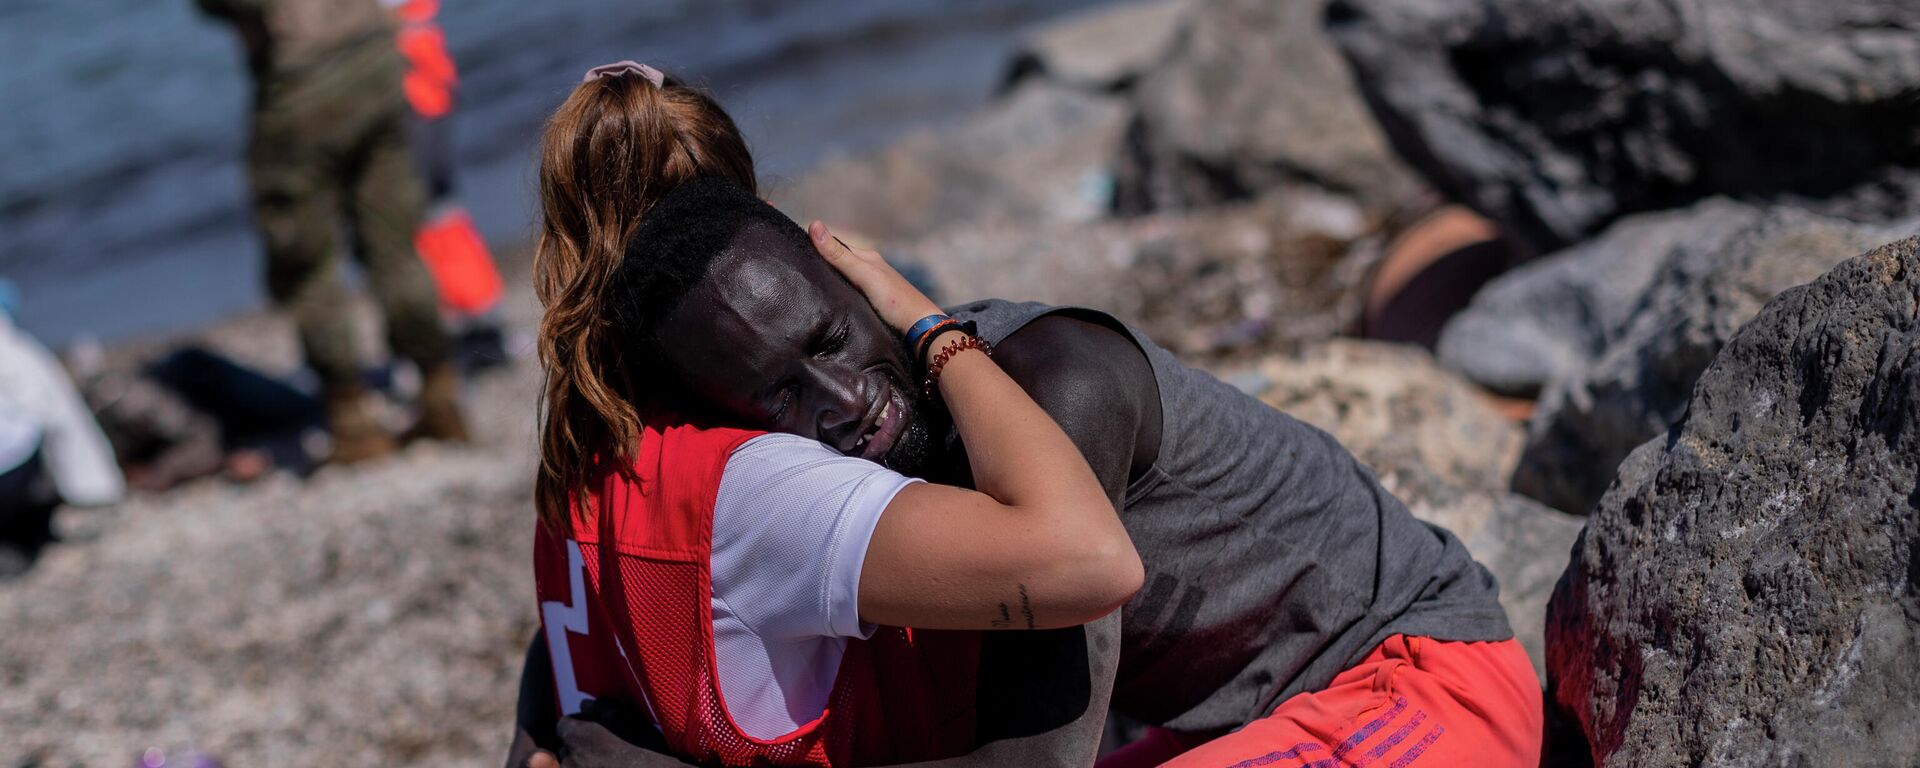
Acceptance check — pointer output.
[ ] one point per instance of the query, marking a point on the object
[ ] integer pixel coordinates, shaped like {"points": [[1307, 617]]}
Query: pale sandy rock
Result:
{"points": [[1105, 49]]}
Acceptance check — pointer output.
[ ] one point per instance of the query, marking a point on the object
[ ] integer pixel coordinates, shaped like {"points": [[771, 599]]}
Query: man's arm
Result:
{"points": [[533, 715], [607, 733], [1098, 385], [1043, 696]]}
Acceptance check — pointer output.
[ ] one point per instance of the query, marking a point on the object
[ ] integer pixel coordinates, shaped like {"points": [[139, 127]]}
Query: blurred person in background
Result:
{"points": [[462, 267], [51, 451], [329, 147], [194, 413]]}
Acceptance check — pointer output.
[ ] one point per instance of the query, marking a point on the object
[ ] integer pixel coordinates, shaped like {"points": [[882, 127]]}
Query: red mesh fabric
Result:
{"points": [[897, 697], [674, 641]]}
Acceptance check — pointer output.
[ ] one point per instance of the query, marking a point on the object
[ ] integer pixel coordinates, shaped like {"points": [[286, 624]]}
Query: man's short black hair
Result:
{"points": [[678, 242]]}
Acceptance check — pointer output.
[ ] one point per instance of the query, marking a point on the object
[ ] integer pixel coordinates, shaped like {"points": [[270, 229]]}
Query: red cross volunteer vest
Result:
{"points": [[626, 604]]}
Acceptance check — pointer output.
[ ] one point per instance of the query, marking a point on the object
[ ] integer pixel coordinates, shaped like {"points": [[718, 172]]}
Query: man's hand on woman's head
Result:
{"points": [[898, 302]]}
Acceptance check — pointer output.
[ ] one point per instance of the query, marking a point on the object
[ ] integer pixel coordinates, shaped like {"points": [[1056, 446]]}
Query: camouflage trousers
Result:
{"points": [[344, 167]]}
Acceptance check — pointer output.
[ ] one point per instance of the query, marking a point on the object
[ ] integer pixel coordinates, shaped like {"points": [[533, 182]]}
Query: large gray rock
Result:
{"points": [[1253, 96], [1440, 448], [1105, 49], [1639, 385], [1555, 118], [1394, 408], [1039, 154], [1263, 275], [1748, 593], [1549, 319]]}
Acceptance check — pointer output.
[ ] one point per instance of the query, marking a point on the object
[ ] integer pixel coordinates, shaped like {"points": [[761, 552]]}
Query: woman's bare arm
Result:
{"points": [[1037, 545]]}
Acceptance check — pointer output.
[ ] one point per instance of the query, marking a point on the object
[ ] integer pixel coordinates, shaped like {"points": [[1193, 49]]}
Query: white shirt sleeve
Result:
{"points": [[790, 531], [791, 524]]}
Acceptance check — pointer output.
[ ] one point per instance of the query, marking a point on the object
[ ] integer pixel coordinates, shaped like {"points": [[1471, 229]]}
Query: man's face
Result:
{"points": [[773, 338]]}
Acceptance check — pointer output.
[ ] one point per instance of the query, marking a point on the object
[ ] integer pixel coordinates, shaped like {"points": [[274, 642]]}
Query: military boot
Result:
{"points": [[358, 434], [440, 417]]}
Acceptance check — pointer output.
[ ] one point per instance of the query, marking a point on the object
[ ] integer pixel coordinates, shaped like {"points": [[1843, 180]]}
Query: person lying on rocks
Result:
{"points": [[1293, 612], [195, 413]]}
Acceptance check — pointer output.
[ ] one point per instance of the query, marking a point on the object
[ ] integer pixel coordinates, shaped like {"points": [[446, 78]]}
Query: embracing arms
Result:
{"points": [[1098, 414], [1037, 545]]}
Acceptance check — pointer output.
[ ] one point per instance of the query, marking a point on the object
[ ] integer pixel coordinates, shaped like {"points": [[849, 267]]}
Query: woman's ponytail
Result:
{"points": [[616, 146]]}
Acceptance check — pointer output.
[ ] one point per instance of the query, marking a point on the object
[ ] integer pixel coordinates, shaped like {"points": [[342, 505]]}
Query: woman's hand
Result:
{"points": [[1037, 546], [898, 302]]}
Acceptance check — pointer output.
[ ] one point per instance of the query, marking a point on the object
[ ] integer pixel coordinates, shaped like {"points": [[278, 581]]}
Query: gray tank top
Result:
{"points": [[1274, 559]]}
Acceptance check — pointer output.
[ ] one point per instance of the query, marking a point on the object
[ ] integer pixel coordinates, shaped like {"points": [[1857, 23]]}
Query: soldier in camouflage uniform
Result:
{"points": [[329, 144]]}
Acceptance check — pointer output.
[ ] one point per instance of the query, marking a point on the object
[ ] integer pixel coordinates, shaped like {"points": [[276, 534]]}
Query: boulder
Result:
{"points": [[1549, 319], [1640, 383], [1436, 445], [1394, 408], [1748, 591], [1101, 50], [1556, 118], [1038, 154], [1264, 275], [1253, 96]]}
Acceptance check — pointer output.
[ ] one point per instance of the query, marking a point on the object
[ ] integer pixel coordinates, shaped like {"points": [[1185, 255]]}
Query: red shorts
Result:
{"points": [[1414, 701]]}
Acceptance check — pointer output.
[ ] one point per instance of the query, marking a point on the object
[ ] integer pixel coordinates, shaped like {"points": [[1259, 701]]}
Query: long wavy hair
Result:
{"points": [[610, 152]]}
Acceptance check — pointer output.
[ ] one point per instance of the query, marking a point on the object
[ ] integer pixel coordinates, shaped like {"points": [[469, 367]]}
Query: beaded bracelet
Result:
{"points": [[947, 353]]}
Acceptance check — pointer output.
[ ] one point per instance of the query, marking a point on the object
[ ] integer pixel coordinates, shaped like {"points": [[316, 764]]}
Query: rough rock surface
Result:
{"points": [[1259, 276], [1555, 118], [1393, 408], [1640, 384], [1438, 446], [1748, 593], [1039, 154], [1101, 50], [374, 615], [1253, 96], [1549, 319]]}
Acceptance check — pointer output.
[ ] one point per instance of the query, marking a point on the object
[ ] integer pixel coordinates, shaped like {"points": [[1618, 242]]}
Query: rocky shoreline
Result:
{"points": [[370, 614]]}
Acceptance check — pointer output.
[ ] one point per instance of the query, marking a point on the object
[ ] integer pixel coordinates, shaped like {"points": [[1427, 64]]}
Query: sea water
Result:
{"points": [[123, 207]]}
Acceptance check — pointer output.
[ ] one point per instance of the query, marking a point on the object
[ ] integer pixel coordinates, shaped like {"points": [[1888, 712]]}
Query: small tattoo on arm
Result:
{"points": [[1005, 620], [1026, 608]]}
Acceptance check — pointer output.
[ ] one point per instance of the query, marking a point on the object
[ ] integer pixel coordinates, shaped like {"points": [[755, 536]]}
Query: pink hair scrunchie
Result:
{"points": [[626, 67]]}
